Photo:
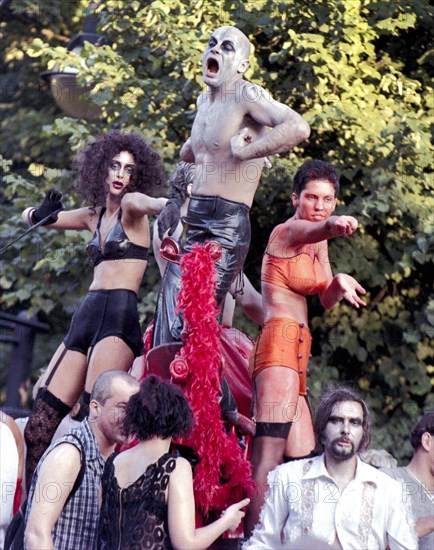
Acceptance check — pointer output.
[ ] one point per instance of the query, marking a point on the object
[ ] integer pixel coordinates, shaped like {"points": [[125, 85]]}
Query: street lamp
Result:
{"points": [[72, 98]]}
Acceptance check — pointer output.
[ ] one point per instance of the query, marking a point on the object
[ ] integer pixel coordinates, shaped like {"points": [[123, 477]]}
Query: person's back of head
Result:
{"points": [[159, 409], [338, 393], [110, 394], [425, 425], [103, 387]]}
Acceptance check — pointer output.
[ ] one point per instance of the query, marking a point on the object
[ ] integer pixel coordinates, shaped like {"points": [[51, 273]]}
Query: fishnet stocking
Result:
{"points": [[47, 414]]}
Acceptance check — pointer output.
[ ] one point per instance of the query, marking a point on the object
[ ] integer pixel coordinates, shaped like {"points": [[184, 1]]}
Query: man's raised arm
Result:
{"points": [[288, 128]]}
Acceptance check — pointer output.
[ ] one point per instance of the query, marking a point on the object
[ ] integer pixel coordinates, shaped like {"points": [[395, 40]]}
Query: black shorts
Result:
{"points": [[104, 313], [209, 218]]}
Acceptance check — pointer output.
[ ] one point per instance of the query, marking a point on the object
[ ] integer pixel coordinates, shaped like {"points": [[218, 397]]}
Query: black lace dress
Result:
{"points": [[135, 517]]}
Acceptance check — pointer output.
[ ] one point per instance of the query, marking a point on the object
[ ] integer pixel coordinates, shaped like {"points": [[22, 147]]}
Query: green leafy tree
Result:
{"points": [[357, 70]]}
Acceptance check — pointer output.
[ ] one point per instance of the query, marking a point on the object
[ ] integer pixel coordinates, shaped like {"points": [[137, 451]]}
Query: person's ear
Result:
{"points": [[427, 441], [334, 204], [94, 410], [295, 200], [243, 66]]}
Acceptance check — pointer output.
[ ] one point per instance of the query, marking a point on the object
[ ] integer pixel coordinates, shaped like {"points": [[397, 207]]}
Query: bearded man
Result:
{"points": [[335, 497]]}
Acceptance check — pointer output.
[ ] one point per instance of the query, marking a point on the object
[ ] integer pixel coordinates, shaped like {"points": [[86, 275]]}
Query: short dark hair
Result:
{"points": [[93, 161], [335, 394], [103, 386], [424, 424], [158, 409], [180, 179], [313, 170]]}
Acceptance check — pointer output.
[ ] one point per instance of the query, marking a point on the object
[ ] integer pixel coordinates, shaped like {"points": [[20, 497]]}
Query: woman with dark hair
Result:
{"points": [[116, 172], [295, 265], [147, 493]]}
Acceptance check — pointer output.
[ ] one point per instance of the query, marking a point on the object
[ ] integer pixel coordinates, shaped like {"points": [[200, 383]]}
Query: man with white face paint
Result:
{"points": [[335, 497], [237, 126]]}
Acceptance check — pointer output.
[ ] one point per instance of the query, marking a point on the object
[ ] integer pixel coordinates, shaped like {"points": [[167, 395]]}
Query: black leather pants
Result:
{"points": [[209, 218]]}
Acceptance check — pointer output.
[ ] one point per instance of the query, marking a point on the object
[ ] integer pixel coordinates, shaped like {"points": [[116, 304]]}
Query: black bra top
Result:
{"points": [[117, 245]]}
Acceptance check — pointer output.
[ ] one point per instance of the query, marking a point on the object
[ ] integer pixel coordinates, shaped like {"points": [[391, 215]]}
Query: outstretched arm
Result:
{"points": [[343, 286], [288, 128], [299, 232], [137, 205], [181, 513], [79, 219]]}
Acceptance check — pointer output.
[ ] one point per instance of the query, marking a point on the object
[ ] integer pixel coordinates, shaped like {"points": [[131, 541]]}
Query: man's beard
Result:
{"points": [[342, 453]]}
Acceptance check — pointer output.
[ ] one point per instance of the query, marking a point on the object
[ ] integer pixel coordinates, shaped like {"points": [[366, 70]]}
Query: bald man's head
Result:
{"points": [[244, 43], [226, 57]]}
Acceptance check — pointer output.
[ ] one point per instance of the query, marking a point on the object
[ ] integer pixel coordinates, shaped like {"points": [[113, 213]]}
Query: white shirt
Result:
{"points": [[303, 499], [8, 477]]}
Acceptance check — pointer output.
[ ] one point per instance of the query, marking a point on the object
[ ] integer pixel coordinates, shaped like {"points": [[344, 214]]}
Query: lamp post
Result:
{"points": [[19, 331], [69, 96]]}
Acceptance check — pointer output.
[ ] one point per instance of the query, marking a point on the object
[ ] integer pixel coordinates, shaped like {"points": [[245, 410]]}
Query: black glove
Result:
{"points": [[50, 204], [170, 216]]}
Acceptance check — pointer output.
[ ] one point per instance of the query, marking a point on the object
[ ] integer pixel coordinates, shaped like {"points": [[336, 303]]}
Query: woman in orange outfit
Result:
{"points": [[295, 265]]}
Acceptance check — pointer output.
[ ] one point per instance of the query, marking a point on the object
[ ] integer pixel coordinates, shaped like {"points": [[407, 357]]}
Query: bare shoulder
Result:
{"points": [[183, 464], [63, 457], [254, 92], [181, 479], [183, 469], [280, 232]]}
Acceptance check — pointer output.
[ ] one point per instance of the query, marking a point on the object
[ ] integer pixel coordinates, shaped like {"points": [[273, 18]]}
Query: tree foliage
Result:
{"points": [[357, 70]]}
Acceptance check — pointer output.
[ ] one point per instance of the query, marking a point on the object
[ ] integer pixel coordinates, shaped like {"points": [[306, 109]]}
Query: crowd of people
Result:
{"points": [[122, 479]]}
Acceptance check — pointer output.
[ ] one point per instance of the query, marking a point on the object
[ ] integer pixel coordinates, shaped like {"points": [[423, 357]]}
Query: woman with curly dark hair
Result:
{"points": [[147, 492], [115, 174]]}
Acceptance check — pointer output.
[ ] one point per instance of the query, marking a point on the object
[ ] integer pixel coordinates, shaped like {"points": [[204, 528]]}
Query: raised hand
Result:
{"points": [[239, 141], [342, 226], [234, 514], [349, 287], [169, 217], [51, 203]]}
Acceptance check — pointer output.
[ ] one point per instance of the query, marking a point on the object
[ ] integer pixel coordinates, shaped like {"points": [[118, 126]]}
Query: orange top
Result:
{"points": [[298, 273]]}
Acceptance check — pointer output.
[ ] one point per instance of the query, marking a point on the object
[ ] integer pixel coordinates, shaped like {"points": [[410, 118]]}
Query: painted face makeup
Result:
{"points": [[316, 202], [226, 52], [120, 172], [344, 430]]}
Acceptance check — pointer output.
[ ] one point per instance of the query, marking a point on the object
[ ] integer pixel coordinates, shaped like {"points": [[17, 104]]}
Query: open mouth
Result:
{"points": [[117, 185], [212, 67]]}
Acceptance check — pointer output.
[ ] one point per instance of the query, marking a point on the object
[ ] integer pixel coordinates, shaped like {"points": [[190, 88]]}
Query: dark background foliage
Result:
{"points": [[359, 71]]}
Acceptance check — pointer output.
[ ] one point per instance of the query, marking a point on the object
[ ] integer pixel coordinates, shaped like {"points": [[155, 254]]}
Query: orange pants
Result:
{"points": [[282, 342]]}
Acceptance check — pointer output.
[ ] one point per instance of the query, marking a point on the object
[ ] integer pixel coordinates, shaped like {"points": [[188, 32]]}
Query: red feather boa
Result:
{"points": [[223, 475]]}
